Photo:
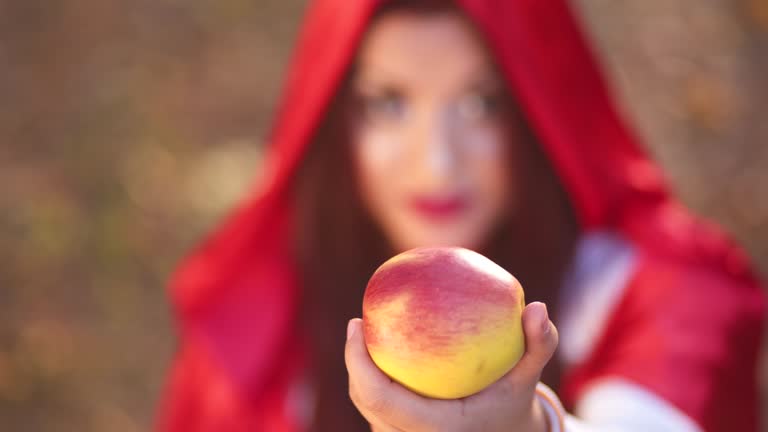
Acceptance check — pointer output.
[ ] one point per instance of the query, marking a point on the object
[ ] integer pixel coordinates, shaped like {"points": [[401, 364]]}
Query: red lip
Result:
{"points": [[439, 208]]}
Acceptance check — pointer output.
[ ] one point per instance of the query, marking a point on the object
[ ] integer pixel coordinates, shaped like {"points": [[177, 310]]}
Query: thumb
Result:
{"points": [[541, 340]]}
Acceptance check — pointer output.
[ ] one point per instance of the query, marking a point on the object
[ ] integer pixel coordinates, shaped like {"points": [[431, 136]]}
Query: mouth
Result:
{"points": [[439, 208]]}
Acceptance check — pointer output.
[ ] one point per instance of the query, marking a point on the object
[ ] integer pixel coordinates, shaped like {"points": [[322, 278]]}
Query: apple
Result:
{"points": [[445, 322]]}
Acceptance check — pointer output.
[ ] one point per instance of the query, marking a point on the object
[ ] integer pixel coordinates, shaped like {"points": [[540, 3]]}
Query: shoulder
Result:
{"points": [[693, 295], [688, 266]]}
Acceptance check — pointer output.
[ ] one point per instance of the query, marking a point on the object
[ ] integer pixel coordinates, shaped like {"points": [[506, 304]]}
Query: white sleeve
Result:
{"points": [[617, 405]]}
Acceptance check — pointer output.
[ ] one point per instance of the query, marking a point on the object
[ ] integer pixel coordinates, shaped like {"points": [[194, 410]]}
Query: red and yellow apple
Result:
{"points": [[443, 322]]}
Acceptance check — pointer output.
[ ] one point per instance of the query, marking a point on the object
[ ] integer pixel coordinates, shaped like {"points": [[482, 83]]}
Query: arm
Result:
{"points": [[617, 405], [197, 397], [673, 368], [679, 353]]}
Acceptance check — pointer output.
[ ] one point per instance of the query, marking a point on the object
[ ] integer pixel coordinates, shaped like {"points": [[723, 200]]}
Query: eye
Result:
{"points": [[477, 106], [388, 106]]}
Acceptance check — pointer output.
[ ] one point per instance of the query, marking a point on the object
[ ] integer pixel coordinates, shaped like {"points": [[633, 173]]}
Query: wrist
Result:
{"points": [[540, 421], [550, 408]]}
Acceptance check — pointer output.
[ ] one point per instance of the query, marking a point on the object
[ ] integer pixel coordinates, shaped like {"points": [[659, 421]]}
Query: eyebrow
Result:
{"points": [[490, 82], [366, 86]]}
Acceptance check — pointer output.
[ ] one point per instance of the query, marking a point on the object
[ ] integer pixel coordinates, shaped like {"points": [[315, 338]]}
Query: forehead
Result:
{"points": [[423, 49]]}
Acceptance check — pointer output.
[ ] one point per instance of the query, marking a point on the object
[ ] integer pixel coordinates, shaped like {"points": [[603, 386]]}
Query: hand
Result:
{"points": [[508, 405]]}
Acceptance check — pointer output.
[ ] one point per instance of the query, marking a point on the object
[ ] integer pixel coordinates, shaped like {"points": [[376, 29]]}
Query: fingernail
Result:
{"points": [[545, 327], [351, 328]]}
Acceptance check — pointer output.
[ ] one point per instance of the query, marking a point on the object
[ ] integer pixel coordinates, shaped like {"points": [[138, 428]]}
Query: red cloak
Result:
{"points": [[687, 327]]}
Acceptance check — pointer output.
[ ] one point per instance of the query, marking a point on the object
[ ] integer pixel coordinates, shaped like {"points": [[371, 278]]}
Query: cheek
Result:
{"points": [[377, 150], [377, 154]]}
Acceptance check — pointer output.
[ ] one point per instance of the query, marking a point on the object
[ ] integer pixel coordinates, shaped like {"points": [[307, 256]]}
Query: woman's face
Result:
{"points": [[430, 151]]}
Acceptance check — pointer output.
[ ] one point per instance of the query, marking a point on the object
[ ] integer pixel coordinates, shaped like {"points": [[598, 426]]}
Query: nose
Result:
{"points": [[436, 159]]}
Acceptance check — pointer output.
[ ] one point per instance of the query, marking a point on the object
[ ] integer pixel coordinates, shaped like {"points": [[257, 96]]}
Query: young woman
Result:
{"points": [[484, 124]]}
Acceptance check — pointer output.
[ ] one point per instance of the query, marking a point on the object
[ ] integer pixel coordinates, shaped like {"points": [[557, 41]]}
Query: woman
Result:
{"points": [[483, 124]]}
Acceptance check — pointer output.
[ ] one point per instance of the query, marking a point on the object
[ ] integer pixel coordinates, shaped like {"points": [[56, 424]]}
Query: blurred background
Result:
{"points": [[127, 129]]}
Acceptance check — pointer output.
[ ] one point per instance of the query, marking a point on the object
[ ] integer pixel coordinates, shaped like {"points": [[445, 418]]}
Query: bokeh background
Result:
{"points": [[128, 128]]}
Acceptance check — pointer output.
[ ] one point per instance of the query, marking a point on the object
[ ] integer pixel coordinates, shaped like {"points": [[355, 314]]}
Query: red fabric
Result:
{"points": [[687, 329], [691, 336]]}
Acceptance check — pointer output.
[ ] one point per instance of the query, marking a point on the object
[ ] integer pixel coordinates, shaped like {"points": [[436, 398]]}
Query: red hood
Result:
{"points": [[240, 284]]}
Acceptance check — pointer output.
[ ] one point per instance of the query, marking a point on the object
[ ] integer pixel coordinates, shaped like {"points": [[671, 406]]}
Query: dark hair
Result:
{"points": [[339, 246]]}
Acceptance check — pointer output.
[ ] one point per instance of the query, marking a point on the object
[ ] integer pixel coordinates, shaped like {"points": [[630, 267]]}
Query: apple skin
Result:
{"points": [[445, 322]]}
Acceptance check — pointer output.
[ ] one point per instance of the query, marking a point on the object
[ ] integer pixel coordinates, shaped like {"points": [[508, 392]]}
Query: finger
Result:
{"points": [[541, 340], [376, 396]]}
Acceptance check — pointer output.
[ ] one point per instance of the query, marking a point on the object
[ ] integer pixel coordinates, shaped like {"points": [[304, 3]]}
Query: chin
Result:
{"points": [[437, 238]]}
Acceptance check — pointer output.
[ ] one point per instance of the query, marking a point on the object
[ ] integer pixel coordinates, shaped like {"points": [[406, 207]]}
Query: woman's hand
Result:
{"points": [[508, 405]]}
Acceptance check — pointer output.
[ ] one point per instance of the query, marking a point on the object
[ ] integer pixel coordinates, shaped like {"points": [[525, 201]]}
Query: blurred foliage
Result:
{"points": [[128, 128]]}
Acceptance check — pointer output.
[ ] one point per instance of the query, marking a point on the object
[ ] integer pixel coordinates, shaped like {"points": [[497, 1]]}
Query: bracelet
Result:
{"points": [[552, 407]]}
